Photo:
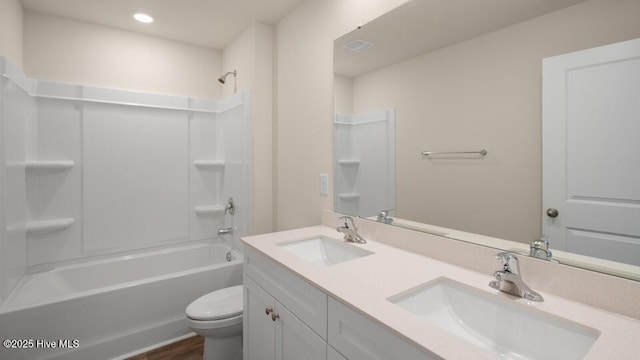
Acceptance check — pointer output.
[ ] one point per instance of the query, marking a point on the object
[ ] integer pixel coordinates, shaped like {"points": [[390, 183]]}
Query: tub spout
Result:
{"points": [[227, 230]]}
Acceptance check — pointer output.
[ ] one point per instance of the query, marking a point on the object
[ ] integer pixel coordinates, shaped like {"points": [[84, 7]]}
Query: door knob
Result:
{"points": [[274, 316], [268, 311], [552, 213]]}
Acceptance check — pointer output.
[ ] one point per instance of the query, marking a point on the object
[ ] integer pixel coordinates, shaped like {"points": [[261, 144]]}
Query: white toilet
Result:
{"points": [[217, 317]]}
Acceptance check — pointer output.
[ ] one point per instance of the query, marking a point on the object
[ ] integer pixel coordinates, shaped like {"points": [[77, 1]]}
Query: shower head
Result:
{"points": [[222, 79]]}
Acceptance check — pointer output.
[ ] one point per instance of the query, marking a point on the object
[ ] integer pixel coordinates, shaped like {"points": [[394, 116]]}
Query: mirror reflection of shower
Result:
{"points": [[364, 164], [223, 79]]}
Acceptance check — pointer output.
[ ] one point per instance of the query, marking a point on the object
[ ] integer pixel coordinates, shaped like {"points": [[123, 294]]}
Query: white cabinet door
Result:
{"points": [[301, 298], [259, 331], [272, 332], [294, 340], [591, 152]]}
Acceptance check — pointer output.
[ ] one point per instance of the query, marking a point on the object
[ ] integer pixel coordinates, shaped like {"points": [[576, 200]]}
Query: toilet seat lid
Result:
{"points": [[220, 304]]}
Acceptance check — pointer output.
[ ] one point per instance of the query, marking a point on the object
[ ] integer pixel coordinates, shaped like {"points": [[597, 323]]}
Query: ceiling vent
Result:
{"points": [[358, 45]]}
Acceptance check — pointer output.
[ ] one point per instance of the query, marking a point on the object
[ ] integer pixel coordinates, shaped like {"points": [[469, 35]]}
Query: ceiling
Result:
{"points": [[420, 26], [209, 23]]}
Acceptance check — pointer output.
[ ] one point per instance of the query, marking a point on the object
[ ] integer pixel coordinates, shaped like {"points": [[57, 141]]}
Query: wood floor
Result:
{"points": [[187, 349]]}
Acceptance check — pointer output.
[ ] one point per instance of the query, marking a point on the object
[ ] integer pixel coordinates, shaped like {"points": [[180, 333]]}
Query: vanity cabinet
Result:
{"points": [[287, 318]]}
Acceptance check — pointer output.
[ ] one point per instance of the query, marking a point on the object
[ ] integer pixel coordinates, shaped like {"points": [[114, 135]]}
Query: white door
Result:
{"points": [[591, 151]]}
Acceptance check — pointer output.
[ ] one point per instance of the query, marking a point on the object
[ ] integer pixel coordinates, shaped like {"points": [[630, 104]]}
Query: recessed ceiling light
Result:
{"points": [[143, 18]]}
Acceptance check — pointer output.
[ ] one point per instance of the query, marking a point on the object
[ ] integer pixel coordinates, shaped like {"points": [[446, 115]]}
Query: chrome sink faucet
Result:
{"points": [[540, 248], [508, 279], [383, 217], [350, 231]]}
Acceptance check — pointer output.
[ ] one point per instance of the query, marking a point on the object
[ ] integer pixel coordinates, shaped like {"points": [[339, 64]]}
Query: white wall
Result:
{"points": [[251, 54], [343, 94], [484, 93], [69, 51], [304, 59], [11, 31]]}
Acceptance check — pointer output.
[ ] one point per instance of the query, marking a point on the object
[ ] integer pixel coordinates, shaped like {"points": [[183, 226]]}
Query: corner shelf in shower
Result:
{"points": [[45, 226], [57, 165], [352, 162], [209, 164], [211, 210], [349, 196]]}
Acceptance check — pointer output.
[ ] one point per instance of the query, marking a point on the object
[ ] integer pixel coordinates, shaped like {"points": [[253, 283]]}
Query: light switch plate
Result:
{"points": [[324, 184]]}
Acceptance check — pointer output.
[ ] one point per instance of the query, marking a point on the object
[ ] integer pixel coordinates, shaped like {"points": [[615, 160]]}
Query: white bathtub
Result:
{"points": [[112, 307]]}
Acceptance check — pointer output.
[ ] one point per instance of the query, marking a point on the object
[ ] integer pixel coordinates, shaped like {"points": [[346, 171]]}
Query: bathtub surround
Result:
{"points": [[92, 172], [15, 112], [92, 178]]}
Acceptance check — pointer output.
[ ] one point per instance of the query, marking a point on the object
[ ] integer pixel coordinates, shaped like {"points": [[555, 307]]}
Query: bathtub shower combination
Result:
{"points": [[111, 202]]}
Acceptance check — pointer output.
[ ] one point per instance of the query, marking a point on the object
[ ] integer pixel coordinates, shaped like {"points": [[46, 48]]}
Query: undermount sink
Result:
{"points": [[324, 251], [496, 323]]}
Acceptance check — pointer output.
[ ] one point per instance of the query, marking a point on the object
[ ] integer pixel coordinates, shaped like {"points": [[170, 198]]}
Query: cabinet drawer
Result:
{"points": [[359, 338], [298, 296]]}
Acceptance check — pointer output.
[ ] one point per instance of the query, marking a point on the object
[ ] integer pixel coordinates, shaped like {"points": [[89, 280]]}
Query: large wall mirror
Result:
{"points": [[462, 82]]}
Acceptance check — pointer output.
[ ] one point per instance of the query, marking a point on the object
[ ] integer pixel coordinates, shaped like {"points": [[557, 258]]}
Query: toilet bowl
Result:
{"points": [[217, 317]]}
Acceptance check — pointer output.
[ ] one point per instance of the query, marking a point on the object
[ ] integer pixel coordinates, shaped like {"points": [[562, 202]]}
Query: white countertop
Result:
{"points": [[364, 284]]}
